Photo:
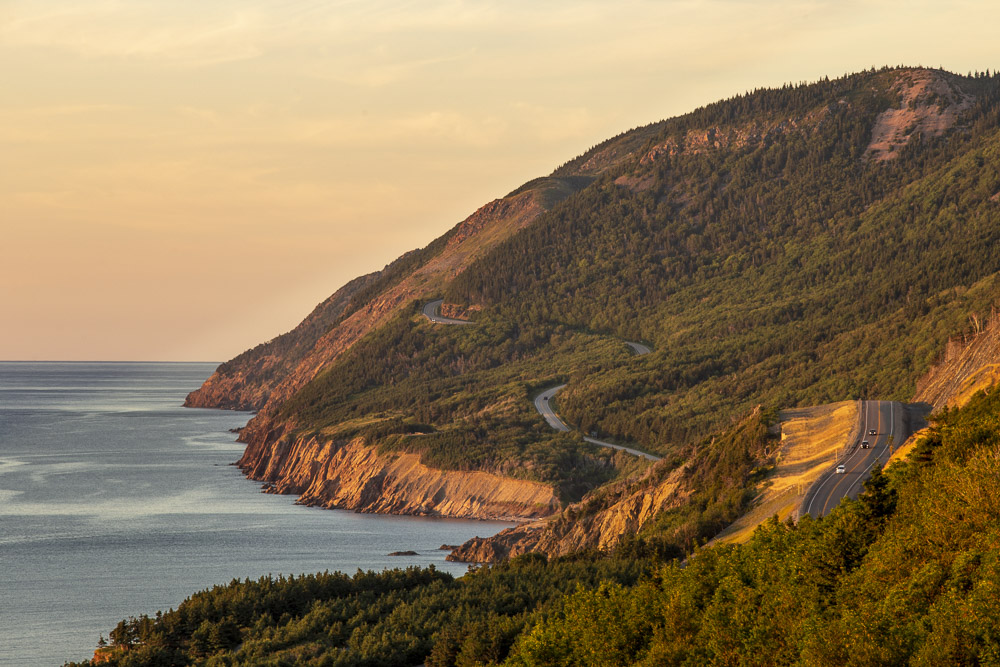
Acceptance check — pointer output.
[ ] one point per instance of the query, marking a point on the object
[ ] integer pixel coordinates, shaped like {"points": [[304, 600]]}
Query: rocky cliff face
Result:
{"points": [[354, 475], [930, 103], [627, 507], [968, 365]]}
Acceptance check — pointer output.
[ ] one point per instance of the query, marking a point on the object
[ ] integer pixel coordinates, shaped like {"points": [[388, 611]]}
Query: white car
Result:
{"points": [[841, 469]]}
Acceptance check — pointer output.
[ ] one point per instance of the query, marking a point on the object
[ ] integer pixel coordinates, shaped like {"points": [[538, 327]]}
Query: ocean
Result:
{"points": [[115, 501]]}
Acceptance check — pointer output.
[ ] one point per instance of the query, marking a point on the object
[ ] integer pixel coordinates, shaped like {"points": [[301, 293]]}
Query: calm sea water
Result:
{"points": [[115, 501]]}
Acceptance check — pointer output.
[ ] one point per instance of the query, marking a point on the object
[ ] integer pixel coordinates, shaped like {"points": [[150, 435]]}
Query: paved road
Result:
{"points": [[544, 399], [639, 348], [433, 313], [633, 452], [543, 403], [886, 418]]}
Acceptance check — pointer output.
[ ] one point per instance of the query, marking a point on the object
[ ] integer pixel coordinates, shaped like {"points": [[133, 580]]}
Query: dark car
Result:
{"points": [[864, 444], [871, 431]]}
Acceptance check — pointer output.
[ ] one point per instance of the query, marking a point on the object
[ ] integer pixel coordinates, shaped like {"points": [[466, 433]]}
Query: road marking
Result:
{"points": [[544, 407], [884, 449], [853, 470], [866, 405]]}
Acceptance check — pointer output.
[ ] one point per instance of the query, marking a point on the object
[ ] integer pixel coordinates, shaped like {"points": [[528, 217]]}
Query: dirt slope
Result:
{"points": [[930, 104], [969, 364]]}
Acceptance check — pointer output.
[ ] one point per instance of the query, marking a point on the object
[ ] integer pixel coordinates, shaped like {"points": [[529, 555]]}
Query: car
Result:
{"points": [[841, 469], [864, 444], [871, 431]]}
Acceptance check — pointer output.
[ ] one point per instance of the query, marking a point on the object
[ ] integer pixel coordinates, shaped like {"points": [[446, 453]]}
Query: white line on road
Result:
{"points": [[543, 403], [831, 475], [885, 448]]}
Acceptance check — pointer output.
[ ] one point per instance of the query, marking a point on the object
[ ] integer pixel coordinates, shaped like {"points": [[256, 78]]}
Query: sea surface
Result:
{"points": [[116, 501]]}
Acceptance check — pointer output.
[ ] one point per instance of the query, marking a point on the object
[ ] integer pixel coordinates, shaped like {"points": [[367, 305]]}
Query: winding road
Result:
{"points": [[544, 407], [882, 426], [886, 419], [543, 403], [432, 311]]}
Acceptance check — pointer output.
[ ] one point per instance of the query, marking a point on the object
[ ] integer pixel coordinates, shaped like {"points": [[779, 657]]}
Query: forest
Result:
{"points": [[907, 573]]}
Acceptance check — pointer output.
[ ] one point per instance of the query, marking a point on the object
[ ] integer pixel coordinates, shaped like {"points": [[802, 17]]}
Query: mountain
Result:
{"points": [[685, 284], [782, 248]]}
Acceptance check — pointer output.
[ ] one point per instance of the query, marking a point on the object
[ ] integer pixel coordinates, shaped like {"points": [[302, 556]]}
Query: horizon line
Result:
{"points": [[103, 361]]}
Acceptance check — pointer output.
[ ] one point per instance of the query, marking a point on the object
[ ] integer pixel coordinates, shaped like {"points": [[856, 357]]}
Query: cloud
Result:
{"points": [[143, 30]]}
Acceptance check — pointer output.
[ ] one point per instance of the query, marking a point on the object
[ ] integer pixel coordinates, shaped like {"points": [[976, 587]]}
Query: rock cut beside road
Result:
{"points": [[432, 311]]}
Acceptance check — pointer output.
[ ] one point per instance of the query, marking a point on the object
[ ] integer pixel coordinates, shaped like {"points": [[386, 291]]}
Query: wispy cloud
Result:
{"points": [[113, 28]]}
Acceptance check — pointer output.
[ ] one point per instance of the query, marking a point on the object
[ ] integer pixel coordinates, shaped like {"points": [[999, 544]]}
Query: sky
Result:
{"points": [[183, 179]]}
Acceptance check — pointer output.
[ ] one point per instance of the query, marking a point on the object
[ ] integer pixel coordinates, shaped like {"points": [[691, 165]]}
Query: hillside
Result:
{"points": [[891, 578], [786, 247]]}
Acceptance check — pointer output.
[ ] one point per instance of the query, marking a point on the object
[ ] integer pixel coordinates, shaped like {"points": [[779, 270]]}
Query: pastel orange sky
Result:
{"points": [[182, 180]]}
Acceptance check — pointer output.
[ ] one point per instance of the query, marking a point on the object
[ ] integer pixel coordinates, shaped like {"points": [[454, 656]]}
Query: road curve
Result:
{"points": [[543, 403], [544, 406], [543, 400], [886, 419], [639, 348], [633, 452], [433, 313]]}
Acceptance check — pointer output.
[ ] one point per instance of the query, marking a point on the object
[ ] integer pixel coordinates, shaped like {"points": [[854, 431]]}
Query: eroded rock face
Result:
{"points": [[968, 365], [354, 475], [930, 104], [627, 508], [458, 311]]}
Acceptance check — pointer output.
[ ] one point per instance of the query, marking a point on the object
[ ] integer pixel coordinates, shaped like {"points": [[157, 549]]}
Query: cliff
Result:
{"points": [[968, 364], [354, 475], [262, 378], [629, 506], [246, 382], [684, 504]]}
